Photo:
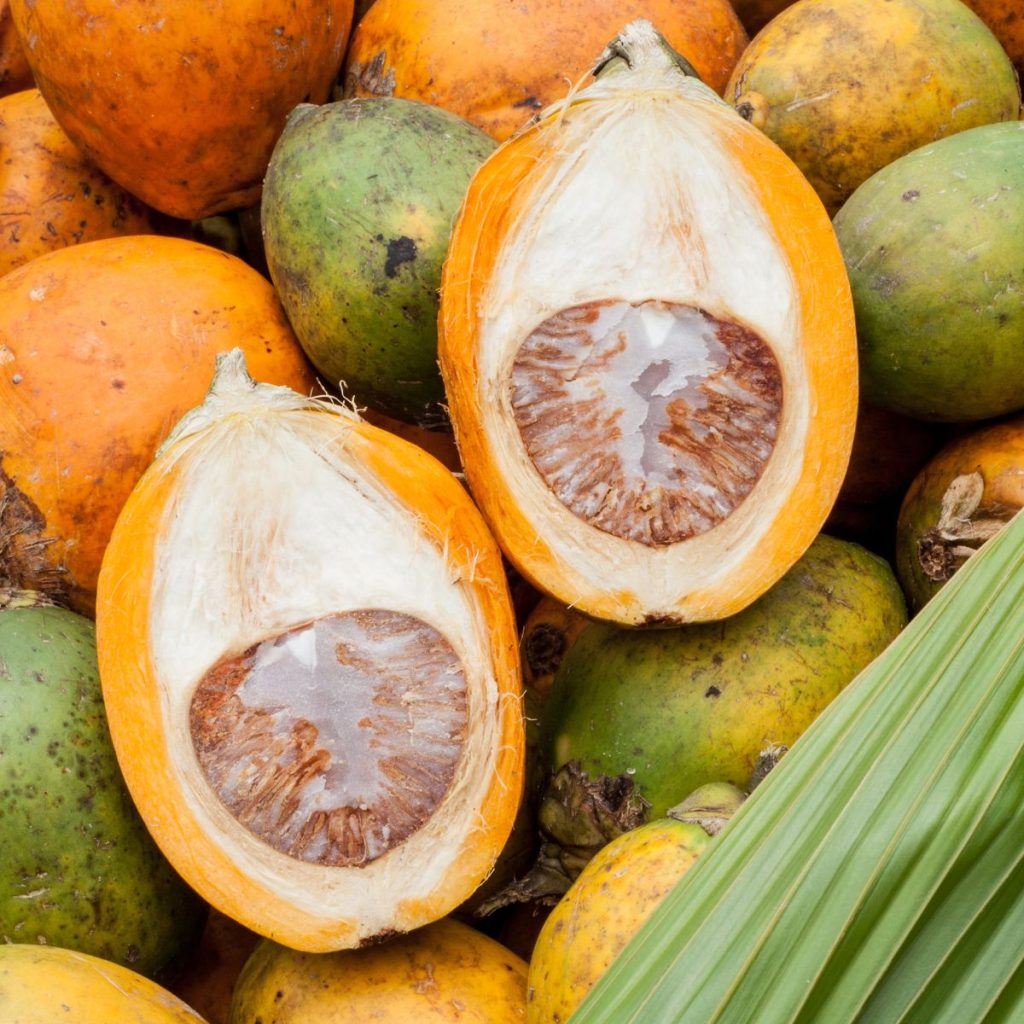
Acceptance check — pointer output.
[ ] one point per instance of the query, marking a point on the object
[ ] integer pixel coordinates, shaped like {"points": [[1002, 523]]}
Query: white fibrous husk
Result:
{"points": [[271, 523], [641, 200]]}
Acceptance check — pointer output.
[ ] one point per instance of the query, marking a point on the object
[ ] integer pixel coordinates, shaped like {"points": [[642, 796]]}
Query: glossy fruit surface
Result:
{"points": [[606, 905], [444, 972], [182, 108], [42, 984], [673, 708], [357, 211]]}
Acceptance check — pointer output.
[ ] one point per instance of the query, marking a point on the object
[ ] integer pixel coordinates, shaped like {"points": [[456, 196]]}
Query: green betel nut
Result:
{"points": [[357, 212], [935, 252], [77, 867]]}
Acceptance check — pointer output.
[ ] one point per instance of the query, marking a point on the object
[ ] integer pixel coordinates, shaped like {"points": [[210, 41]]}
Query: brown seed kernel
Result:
{"points": [[651, 421], [335, 741]]}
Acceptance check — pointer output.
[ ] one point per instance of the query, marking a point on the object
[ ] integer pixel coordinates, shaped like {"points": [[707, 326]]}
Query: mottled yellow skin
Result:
{"points": [[446, 971], [847, 86], [605, 907], [43, 984]]}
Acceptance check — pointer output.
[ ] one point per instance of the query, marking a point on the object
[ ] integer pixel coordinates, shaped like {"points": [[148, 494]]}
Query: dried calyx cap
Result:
{"points": [[308, 657], [711, 806], [648, 348], [578, 815]]}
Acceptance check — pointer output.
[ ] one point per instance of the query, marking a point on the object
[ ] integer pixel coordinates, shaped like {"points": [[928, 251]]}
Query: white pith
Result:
{"points": [[273, 523], [641, 201]]}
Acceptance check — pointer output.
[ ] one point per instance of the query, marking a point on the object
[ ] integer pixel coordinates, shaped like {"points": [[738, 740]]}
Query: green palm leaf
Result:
{"points": [[877, 876]]}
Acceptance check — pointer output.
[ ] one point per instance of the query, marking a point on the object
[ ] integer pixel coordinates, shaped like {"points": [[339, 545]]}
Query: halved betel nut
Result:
{"points": [[310, 665], [648, 348]]}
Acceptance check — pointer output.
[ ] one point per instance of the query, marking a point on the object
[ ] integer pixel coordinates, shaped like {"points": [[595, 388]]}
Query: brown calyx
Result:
{"points": [[964, 524], [334, 741], [26, 553], [651, 421]]}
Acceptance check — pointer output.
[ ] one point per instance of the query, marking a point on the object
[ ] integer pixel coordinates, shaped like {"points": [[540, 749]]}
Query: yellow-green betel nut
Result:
{"points": [[675, 708], [847, 86]]}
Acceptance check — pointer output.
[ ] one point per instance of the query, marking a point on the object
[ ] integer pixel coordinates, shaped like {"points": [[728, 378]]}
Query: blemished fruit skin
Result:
{"points": [[443, 972], [452, 53], [182, 106], [357, 211], [603, 909], [933, 247], [43, 984], [51, 195], [677, 707], [847, 86], [77, 867]]}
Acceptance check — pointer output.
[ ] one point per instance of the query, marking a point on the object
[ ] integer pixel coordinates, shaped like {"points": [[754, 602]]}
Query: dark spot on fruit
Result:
{"points": [[117, 385], [712, 691], [400, 250], [530, 102], [910, 195], [278, 996]]}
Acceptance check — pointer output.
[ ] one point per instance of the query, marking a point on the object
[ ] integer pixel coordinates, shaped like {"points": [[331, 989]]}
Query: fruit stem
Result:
{"points": [[640, 45]]}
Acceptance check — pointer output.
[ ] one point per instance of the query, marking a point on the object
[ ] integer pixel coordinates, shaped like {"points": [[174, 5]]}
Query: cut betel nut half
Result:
{"points": [[310, 667], [648, 346]]}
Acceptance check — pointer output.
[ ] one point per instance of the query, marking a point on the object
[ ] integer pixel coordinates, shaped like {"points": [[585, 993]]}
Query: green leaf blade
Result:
{"points": [[875, 857]]}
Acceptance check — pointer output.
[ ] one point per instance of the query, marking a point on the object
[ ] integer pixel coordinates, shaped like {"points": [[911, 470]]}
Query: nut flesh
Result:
{"points": [[651, 421], [336, 740]]}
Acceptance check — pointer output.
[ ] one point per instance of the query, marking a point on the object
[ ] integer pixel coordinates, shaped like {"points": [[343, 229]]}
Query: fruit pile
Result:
{"points": [[451, 453]]}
